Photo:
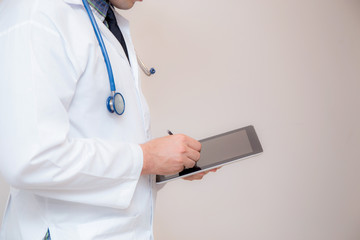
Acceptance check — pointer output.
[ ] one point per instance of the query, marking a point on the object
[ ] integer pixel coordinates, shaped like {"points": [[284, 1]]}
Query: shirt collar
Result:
{"points": [[100, 6]]}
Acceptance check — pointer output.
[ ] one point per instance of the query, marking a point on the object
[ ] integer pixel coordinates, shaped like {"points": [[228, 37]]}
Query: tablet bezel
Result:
{"points": [[253, 140]]}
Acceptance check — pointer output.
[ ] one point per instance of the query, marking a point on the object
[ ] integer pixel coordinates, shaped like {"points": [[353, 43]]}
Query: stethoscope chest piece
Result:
{"points": [[116, 103]]}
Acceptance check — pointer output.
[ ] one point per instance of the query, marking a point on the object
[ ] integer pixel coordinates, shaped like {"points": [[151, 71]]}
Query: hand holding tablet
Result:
{"points": [[221, 150]]}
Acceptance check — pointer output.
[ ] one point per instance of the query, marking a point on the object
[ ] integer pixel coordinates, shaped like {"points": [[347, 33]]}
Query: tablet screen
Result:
{"points": [[222, 149]]}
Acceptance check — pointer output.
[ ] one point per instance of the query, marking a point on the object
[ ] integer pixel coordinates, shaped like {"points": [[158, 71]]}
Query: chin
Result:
{"points": [[123, 4]]}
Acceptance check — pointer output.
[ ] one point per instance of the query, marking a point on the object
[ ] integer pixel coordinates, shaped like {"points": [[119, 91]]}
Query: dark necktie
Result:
{"points": [[114, 28]]}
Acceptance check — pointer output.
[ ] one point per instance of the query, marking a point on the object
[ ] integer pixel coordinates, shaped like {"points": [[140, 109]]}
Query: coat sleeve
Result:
{"points": [[38, 81]]}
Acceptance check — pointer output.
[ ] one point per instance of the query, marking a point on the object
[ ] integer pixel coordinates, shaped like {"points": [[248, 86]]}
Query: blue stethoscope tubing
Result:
{"points": [[115, 102]]}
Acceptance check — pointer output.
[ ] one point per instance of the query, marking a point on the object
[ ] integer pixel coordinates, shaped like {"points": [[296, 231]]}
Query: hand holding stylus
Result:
{"points": [[170, 155], [197, 176]]}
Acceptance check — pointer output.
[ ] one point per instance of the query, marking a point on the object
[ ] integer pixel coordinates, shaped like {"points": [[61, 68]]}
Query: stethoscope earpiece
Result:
{"points": [[152, 71], [144, 68]]}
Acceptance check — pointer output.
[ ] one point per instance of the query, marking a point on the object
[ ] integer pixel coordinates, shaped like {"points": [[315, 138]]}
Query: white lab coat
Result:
{"points": [[73, 167]]}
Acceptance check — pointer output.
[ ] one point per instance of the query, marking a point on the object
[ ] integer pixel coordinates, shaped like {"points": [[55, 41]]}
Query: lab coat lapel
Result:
{"points": [[106, 33], [124, 26]]}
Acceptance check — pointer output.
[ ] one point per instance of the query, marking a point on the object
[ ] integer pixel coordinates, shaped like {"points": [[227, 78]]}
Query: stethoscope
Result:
{"points": [[115, 102]]}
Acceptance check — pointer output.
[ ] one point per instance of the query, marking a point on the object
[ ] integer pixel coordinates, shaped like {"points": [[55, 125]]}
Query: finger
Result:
{"points": [[192, 178], [198, 176], [192, 154], [213, 170], [194, 144], [188, 163]]}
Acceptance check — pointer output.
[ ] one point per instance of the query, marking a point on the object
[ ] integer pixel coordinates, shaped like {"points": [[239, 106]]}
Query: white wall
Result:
{"points": [[290, 68]]}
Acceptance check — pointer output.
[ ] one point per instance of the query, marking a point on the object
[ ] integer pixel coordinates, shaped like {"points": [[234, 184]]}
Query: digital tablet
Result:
{"points": [[220, 150]]}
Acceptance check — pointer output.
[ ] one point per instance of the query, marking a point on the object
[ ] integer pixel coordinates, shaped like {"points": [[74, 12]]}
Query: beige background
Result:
{"points": [[290, 68]]}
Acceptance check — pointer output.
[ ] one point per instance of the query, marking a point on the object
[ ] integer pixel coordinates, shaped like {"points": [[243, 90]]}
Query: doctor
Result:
{"points": [[76, 170]]}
